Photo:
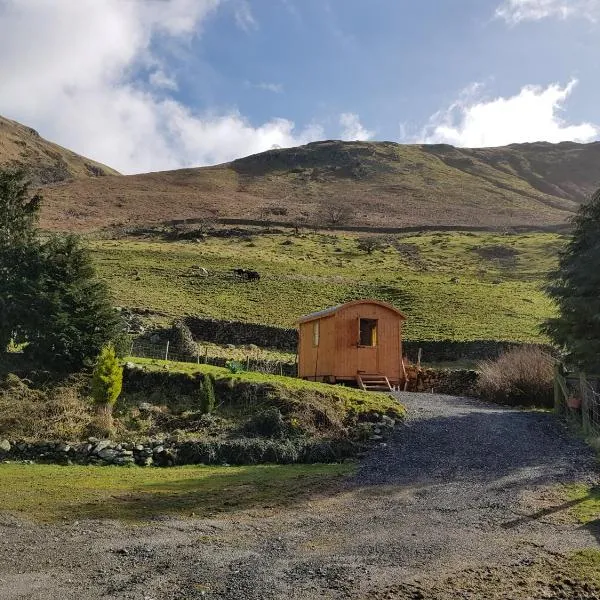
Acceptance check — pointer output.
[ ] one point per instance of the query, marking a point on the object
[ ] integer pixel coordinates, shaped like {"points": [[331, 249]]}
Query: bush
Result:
{"points": [[519, 377], [107, 378], [182, 340], [207, 395], [107, 382], [267, 423], [57, 413]]}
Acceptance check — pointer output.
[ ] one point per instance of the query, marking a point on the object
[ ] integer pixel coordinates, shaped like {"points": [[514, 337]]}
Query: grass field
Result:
{"points": [[451, 285], [49, 492]]}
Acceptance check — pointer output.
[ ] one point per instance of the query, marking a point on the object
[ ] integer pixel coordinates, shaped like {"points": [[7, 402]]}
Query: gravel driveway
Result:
{"points": [[455, 506]]}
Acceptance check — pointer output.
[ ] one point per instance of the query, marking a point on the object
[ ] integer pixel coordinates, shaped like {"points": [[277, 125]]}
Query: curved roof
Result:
{"points": [[328, 312]]}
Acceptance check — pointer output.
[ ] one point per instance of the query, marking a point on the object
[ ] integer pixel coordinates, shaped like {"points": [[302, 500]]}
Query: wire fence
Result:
{"points": [[249, 362], [577, 399]]}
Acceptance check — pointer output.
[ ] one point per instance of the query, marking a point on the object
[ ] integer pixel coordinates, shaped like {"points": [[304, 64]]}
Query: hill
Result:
{"points": [[45, 162], [381, 183], [451, 285]]}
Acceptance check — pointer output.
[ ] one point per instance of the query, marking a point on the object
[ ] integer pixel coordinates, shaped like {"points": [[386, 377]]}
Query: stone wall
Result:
{"points": [[267, 336], [444, 381], [167, 452], [237, 333]]}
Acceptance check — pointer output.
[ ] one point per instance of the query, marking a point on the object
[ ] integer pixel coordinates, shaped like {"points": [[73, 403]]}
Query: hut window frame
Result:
{"points": [[367, 333], [316, 333]]}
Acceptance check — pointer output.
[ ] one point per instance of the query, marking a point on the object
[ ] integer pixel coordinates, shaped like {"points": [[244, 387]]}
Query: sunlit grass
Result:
{"points": [[50, 492], [440, 280]]}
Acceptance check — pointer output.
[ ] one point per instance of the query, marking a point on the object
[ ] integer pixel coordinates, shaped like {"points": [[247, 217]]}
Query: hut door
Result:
{"points": [[367, 346]]}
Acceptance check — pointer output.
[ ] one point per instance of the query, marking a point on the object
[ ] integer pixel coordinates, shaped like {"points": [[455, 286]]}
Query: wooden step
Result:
{"points": [[373, 382]]}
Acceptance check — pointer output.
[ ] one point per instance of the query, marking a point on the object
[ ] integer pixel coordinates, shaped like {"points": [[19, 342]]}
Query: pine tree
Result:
{"points": [[107, 382], [19, 212], [207, 395], [575, 287], [71, 316]]}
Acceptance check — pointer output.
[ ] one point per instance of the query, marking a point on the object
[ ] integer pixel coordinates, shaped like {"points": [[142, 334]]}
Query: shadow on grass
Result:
{"points": [[240, 489]]}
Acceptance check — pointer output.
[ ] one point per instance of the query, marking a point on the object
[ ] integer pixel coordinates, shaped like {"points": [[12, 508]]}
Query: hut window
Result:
{"points": [[368, 332], [316, 331]]}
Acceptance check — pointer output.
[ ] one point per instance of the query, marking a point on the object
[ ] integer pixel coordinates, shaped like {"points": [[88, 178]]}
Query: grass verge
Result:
{"points": [[47, 493]]}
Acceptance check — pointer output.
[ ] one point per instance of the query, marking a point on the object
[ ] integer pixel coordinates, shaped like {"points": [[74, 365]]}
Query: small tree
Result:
{"points": [[370, 244], [207, 395], [337, 214], [575, 287], [107, 382]]}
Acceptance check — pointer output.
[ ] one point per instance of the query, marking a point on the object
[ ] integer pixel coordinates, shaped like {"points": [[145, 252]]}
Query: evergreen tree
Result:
{"points": [[107, 378], [19, 212], [207, 395], [71, 316], [107, 382], [575, 287]]}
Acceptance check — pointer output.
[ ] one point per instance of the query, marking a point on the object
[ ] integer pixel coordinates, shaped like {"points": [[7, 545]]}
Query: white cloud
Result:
{"points": [[276, 88], [243, 16], [352, 128], [71, 76], [160, 79], [534, 114], [516, 11]]}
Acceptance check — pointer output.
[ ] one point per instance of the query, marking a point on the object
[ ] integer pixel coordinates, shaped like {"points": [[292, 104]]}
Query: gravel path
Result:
{"points": [[461, 492]]}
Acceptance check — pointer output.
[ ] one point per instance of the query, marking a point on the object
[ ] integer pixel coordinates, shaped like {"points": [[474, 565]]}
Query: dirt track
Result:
{"points": [[457, 505]]}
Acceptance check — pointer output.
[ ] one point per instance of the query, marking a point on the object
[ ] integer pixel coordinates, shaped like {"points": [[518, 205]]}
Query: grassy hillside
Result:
{"points": [[451, 285], [45, 162], [380, 184]]}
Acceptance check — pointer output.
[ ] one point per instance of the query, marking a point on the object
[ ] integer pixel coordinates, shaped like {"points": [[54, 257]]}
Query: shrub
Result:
{"points": [[234, 366], [207, 395], [57, 413], [519, 377], [182, 340], [107, 382], [267, 423]]}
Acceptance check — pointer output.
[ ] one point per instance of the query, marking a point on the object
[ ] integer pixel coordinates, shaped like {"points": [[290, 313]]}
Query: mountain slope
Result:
{"points": [[45, 162], [382, 183]]}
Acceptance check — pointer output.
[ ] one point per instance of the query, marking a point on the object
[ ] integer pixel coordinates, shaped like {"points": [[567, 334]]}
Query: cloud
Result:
{"points": [[352, 129], [243, 16], [74, 76], [516, 11], [276, 88], [534, 114], [160, 79]]}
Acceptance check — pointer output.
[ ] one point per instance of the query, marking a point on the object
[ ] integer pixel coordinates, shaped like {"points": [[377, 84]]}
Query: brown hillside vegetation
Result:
{"points": [[45, 162], [383, 184]]}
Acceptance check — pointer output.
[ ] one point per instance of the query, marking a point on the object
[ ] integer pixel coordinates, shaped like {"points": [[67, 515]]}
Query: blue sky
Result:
{"points": [[157, 84]]}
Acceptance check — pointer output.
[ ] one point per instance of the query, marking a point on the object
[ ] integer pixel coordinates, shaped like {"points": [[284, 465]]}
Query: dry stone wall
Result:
{"points": [[267, 336]]}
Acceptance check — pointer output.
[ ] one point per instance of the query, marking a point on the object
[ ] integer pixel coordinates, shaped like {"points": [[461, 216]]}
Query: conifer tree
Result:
{"points": [[575, 287], [107, 382], [19, 211]]}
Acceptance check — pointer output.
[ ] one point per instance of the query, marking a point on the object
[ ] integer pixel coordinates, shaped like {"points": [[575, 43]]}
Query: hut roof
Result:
{"points": [[328, 312]]}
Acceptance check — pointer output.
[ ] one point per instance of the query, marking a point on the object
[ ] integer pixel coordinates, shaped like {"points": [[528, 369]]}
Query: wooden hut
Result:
{"points": [[359, 341]]}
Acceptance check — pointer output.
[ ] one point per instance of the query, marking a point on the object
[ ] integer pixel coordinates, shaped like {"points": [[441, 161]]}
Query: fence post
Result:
{"points": [[557, 391], [131, 349], [585, 405], [198, 355], [205, 355], [167, 351]]}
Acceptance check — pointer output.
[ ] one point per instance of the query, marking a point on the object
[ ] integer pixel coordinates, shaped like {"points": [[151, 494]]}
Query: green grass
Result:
{"points": [[49, 492], [346, 398], [586, 502], [494, 298], [585, 565]]}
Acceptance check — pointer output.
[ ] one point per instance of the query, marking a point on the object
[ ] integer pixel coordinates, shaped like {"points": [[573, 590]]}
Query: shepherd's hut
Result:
{"points": [[360, 341]]}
